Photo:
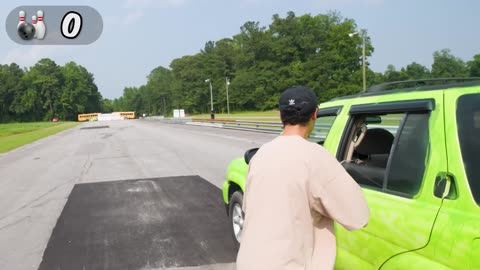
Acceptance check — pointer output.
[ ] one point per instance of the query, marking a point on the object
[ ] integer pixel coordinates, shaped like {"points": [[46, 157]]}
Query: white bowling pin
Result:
{"points": [[34, 22], [41, 29], [21, 15]]}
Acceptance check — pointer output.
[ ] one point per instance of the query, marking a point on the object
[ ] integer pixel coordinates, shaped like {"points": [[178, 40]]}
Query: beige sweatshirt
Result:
{"points": [[295, 189]]}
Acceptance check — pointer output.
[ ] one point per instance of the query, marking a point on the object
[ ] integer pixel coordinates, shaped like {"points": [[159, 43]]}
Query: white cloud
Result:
{"points": [[28, 56]]}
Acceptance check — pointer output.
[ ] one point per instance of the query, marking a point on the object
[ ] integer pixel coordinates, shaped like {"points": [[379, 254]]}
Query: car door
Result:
{"points": [[402, 210], [455, 240]]}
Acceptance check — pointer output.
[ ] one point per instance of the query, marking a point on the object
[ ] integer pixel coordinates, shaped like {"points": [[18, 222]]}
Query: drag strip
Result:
{"points": [[38, 179], [158, 223]]}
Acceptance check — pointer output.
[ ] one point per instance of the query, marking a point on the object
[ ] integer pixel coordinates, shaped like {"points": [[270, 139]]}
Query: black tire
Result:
{"points": [[237, 198]]}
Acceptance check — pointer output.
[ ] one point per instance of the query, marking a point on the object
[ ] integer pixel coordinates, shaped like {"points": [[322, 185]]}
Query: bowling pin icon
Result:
{"points": [[40, 28], [34, 22], [21, 15]]}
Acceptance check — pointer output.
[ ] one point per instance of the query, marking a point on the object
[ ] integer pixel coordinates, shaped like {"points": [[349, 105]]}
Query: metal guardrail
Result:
{"points": [[168, 120], [320, 131]]}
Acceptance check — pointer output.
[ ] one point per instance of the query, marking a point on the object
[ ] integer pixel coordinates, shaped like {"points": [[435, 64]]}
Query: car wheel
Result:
{"points": [[236, 217]]}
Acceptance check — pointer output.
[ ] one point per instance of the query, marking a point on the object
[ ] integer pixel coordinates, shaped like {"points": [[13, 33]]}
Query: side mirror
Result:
{"points": [[249, 154]]}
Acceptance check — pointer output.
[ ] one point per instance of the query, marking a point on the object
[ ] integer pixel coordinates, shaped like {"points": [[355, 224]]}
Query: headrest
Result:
{"points": [[376, 141]]}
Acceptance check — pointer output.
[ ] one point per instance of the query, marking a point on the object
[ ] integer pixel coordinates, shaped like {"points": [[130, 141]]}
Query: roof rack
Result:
{"points": [[418, 83]]}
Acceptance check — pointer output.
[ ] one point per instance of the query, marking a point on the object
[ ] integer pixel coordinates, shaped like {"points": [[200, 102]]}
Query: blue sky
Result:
{"points": [[139, 35]]}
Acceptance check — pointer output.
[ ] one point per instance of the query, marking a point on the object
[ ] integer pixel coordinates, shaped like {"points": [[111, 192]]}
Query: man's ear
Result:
{"points": [[314, 115]]}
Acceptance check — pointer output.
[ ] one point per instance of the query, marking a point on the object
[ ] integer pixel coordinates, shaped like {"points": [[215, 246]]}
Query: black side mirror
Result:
{"points": [[249, 154]]}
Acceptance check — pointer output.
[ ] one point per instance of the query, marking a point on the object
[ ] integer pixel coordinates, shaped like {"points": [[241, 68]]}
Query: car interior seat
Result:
{"points": [[375, 146]]}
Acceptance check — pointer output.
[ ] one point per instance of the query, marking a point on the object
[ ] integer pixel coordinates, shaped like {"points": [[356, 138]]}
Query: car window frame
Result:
{"points": [[405, 107], [328, 112]]}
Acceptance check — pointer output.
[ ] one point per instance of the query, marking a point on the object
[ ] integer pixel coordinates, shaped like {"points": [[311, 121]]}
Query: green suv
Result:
{"points": [[414, 148]]}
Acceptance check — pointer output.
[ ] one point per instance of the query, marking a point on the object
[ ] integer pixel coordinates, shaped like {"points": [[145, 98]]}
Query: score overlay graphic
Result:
{"points": [[54, 25]]}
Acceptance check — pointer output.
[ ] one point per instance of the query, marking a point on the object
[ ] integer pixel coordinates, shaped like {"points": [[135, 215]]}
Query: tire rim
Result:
{"points": [[237, 219]]}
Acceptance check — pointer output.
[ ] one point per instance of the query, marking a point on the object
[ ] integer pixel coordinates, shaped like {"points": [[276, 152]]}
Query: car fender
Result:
{"points": [[237, 174]]}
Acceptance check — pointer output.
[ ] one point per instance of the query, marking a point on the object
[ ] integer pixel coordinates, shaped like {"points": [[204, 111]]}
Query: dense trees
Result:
{"points": [[259, 61], [262, 61], [447, 65], [47, 90], [474, 66]]}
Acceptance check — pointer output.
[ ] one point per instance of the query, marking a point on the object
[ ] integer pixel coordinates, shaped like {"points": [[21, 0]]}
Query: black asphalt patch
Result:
{"points": [[95, 127], [141, 224]]}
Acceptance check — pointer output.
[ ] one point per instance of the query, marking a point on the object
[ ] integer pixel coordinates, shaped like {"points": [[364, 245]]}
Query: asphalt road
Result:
{"points": [[36, 180]]}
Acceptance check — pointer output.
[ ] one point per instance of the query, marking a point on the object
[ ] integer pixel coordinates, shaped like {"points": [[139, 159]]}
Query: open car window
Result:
{"points": [[388, 155]]}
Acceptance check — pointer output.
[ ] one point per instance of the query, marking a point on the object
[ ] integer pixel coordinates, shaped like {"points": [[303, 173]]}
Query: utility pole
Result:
{"points": [[227, 83], [364, 64], [212, 113], [164, 107]]}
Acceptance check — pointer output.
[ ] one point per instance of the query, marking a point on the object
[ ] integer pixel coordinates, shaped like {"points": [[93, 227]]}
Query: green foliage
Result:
{"points": [[107, 105], [45, 91], [415, 71], [261, 62], [12, 89], [446, 65], [474, 66]]}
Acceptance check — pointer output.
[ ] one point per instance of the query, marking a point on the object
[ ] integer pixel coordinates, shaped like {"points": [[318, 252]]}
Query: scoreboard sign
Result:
{"points": [[54, 25]]}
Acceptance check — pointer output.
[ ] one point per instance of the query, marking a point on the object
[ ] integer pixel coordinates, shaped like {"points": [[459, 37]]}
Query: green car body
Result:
{"points": [[438, 225]]}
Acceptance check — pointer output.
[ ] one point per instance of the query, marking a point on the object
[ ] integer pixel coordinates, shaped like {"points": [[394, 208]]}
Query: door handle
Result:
{"points": [[445, 186]]}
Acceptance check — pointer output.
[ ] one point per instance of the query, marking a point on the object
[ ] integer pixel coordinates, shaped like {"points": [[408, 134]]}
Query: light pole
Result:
{"points": [[227, 83], [212, 114], [362, 33]]}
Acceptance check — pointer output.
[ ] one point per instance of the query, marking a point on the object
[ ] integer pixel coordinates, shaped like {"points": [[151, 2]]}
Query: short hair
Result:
{"points": [[294, 116]]}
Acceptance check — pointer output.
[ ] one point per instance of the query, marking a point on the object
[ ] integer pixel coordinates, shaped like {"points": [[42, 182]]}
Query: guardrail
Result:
{"points": [[320, 131]]}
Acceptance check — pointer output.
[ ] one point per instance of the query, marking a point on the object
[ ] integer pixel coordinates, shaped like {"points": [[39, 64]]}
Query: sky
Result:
{"points": [[139, 35]]}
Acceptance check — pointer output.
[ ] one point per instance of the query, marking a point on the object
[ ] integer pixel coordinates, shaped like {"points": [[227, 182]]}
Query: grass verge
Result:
{"points": [[19, 134]]}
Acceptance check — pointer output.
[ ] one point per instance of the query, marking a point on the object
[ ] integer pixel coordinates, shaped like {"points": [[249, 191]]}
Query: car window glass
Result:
{"points": [[468, 128], [322, 127], [407, 164]]}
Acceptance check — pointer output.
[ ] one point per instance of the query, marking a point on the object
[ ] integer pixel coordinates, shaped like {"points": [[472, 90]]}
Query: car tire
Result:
{"points": [[236, 217]]}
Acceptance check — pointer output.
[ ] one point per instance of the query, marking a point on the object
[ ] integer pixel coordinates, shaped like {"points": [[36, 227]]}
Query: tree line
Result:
{"points": [[47, 90], [260, 62]]}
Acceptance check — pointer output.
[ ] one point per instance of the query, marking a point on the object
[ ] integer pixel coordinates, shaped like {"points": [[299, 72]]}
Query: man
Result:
{"points": [[295, 189]]}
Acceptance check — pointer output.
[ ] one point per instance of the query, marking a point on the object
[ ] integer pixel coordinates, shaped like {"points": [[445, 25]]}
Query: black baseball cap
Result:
{"points": [[301, 98]]}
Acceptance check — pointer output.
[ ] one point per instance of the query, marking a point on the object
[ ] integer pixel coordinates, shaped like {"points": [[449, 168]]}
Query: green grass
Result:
{"points": [[19, 134]]}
